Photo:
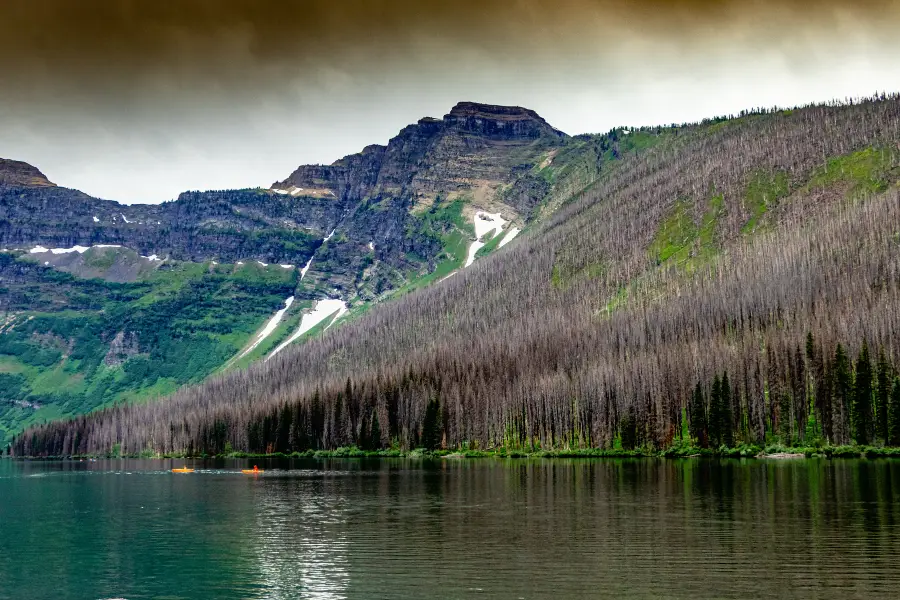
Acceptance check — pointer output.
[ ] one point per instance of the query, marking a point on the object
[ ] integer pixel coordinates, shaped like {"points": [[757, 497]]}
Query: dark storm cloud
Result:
{"points": [[131, 38], [139, 99]]}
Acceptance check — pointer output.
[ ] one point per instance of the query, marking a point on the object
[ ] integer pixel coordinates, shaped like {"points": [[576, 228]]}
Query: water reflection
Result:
{"points": [[452, 529], [300, 539]]}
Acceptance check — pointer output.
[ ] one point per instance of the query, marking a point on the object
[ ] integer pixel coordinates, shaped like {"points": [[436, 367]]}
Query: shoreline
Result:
{"points": [[675, 452]]}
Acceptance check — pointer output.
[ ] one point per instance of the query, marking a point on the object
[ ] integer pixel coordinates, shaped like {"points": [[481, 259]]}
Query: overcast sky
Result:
{"points": [[139, 100]]}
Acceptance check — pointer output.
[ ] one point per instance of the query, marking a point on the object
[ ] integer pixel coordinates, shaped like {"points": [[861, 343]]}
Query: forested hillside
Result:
{"points": [[103, 302], [736, 281]]}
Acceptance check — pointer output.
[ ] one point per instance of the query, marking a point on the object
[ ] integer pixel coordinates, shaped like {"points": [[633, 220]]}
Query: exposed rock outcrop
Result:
{"points": [[15, 172], [487, 155], [122, 347]]}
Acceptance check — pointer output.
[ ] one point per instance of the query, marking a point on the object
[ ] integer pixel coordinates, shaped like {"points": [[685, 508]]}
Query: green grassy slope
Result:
{"points": [[176, 326]]}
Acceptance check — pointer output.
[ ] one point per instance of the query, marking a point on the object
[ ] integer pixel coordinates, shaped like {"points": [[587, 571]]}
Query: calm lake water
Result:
{"points": [[407, 529]]}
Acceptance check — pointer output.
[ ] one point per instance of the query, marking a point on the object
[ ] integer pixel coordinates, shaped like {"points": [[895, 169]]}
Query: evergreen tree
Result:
{"points": [[393, 410], [820, 388], [801, 393], [894, 421], [882, 398], [317, 421], [362, 439], [862, 398], [785, 422], [337, 423], [813, 376], [715, 413], [697, 409], [628, 429], [773, 389], [726, 426], [375, 437], [842, 389], [431, 427]]}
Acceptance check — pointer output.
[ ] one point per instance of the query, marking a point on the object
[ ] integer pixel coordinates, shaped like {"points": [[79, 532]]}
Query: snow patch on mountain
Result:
{"points": [[78, 249], [511, 233], [340, 313], [305, 268], [321, 311], [270, 326], [486, 222], [474, 247], [83, 249]]}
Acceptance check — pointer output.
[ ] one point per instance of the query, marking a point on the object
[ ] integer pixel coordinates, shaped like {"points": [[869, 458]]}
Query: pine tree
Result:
{"points": [[431, 427], [773, 389], [842, 389], [726, 427], [894, 421], [882, 398], [362, 439], [317, 421], [801, 393], [862, 398], [698, 425], [375, 437], [337, 422], [820, 387], [628, 429], [715, 413], [785, 422]]}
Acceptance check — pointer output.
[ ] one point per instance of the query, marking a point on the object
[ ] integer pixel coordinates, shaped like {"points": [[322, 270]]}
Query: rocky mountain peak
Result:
{"points": [[16, 172], [492, 120]]}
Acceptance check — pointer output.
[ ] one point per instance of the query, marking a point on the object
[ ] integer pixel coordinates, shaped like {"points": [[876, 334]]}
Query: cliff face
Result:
{"points": [[224, 226], [483, 154], [374, 201], [473, 146]]}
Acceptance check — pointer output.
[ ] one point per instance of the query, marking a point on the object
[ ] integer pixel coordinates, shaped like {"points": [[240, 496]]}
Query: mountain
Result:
{"points": [[104, 302], [707, 289], [726, 284]]}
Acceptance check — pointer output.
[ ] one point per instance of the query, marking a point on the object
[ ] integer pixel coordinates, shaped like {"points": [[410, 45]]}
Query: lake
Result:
{"points": [[476, 528]]}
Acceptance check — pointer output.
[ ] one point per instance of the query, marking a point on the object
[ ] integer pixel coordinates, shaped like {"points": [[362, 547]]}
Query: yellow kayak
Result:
{"points": [[252, 471], [182, 470]]}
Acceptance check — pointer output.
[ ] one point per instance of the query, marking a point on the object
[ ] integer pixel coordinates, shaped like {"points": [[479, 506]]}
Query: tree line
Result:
{"points": [[827, 399]]}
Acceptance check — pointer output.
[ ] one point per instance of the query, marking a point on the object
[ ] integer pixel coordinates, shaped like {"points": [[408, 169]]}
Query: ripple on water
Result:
{"points": [[407, 530]]}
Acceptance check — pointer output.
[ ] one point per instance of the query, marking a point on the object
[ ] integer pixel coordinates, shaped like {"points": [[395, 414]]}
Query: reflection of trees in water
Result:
{"points": [[302, 541], [636, 528]]}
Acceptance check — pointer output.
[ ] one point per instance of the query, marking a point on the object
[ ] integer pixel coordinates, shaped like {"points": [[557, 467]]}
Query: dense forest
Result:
{"points": [[739, 282]]}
